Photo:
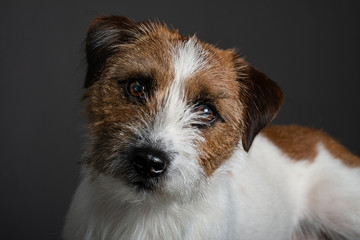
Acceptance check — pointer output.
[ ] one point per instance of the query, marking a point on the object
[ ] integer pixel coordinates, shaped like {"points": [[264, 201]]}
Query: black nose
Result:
{"points": [[149, 162]]}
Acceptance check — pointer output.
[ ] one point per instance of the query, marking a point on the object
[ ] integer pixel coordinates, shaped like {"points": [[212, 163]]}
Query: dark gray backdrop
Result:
{"points": [[310, 48]]}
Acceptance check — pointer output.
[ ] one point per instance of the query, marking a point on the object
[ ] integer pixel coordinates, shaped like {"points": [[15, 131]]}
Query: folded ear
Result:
{"points": [[262, 99], [104, 33]]}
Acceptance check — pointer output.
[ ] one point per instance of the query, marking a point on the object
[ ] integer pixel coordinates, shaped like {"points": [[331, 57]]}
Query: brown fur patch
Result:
{"points": [[300, 143], [109, 109], [246, 98], [218, 84]]}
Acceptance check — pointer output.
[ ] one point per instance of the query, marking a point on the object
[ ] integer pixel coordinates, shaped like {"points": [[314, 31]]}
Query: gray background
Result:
{"points": [[311, 48]]}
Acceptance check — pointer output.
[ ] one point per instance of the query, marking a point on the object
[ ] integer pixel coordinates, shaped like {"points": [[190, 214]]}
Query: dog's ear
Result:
{"points": [[104, 33], [262, 99]]}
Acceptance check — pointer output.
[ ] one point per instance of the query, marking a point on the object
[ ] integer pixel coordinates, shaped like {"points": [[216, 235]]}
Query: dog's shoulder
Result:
{"points": [[299, 143]]}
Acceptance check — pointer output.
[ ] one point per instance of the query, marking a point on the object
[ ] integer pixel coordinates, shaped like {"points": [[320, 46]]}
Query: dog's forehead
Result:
{"points": [[167, 56]]}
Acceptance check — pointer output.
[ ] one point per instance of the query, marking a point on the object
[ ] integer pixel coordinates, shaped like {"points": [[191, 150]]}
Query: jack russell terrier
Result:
{"points": [[180, 148]]}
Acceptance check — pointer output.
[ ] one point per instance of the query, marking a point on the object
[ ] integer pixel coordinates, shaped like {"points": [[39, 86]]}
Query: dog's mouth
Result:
{"points": [[148, 185]]}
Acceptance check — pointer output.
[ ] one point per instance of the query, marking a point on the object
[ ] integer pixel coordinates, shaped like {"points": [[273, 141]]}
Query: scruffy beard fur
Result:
{"points": [[175, 150]]}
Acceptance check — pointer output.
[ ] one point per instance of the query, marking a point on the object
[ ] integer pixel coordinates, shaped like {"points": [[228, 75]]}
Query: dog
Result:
{"points": [[181, 147]]}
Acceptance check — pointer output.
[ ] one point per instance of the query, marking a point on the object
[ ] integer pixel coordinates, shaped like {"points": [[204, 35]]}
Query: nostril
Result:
{"points": [[149, 162], [157, 164]]}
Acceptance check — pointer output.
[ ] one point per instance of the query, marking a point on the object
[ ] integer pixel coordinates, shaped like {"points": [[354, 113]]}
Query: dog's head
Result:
{"points": [[166, 111]]}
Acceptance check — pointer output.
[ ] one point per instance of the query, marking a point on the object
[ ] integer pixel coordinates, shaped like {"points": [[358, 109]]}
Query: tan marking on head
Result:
{"points": [[110, 111], [300, 143], [218, 85]]}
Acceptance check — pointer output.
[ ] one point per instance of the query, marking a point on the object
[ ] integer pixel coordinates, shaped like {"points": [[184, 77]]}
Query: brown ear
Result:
{"points": [[262, 98], [104, 33]]}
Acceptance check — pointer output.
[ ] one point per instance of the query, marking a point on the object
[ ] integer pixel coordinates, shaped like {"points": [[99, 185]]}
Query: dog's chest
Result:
{"points": [[159, 222]]}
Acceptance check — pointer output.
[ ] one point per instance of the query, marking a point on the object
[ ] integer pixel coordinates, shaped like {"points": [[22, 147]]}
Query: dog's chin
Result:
{"points": [[155, 191]]}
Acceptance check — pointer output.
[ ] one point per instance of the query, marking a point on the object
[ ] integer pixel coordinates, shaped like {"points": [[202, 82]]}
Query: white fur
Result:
{"points": [[188, 57], [260, 195]]}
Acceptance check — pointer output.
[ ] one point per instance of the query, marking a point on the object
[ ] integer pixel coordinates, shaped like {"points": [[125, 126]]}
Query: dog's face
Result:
{"points": [[166, 111]]}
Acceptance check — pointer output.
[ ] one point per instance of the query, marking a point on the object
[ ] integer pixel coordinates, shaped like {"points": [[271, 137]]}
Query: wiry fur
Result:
{"points": [[223, 179]]}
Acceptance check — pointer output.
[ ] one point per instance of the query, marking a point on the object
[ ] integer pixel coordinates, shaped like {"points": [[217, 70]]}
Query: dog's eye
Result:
{"points": [[137, 89], [206, 113]]}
